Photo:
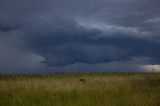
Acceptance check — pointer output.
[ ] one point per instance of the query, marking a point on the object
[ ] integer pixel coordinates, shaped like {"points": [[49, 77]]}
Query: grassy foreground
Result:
{"points": [[99, 89]]}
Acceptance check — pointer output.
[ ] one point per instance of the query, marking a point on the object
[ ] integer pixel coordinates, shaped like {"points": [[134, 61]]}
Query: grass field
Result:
{"points": [[97, 89]]}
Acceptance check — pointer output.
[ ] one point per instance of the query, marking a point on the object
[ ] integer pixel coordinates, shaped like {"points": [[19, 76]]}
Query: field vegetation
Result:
{"points": [[94, 89]]}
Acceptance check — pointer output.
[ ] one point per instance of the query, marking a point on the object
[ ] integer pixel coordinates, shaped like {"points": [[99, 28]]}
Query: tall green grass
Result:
{"points": [[99, 89]]}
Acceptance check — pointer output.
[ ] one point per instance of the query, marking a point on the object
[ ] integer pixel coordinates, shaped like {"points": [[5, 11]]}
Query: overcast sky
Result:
{"points": [[45, 36]]}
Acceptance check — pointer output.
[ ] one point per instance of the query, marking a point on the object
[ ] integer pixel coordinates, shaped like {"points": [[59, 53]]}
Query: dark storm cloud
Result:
{"points": [[82, 45], [60, 32]]}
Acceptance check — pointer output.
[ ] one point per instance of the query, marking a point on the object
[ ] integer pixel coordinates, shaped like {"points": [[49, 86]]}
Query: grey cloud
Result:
{"points": [[15, 59], [76, 44], [51, 32]]}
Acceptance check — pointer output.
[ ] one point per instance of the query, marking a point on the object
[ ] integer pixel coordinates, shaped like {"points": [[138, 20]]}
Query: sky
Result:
{"points": [[47, 36]]}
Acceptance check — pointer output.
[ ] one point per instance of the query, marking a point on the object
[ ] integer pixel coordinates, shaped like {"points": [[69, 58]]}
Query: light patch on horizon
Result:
{"points": [[151, 68]]}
